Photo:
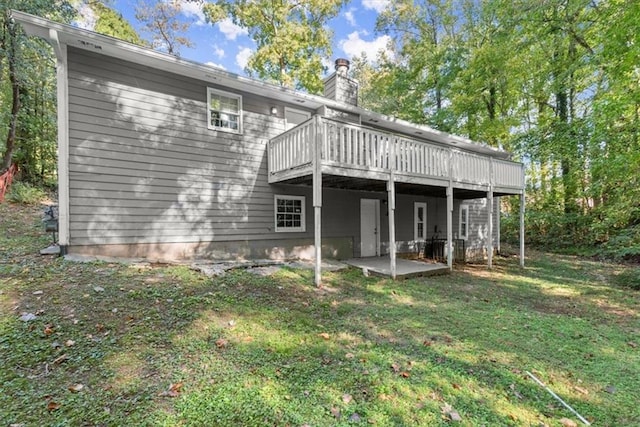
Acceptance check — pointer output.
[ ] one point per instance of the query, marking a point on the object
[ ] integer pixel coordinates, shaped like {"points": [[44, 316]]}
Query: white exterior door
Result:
{"points": [[369, 227], [419, 221], [293, 117]]}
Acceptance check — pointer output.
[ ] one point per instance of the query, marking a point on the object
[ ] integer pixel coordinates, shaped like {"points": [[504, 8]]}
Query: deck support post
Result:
{"points": [[391, 189], [450, 226], [498, 237], [317, 200], [522, 200], [490, 229]]}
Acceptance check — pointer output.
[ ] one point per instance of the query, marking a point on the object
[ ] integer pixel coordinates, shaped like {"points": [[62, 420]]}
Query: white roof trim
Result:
{"points": [[105, 45]]}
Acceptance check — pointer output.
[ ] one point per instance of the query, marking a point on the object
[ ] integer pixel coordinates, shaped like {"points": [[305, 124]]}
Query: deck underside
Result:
{"points": [[376, 185]]}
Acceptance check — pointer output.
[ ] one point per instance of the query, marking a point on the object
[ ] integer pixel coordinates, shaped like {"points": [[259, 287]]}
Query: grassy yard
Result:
{"points": [[116, 344]]}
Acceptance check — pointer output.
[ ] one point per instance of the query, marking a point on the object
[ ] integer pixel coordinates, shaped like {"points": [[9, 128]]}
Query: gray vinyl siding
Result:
{"points": [[476, 244], [144, 167]]}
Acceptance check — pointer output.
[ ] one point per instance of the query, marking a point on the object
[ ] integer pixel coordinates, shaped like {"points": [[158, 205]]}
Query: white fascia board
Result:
{"points": [[110, 46]]}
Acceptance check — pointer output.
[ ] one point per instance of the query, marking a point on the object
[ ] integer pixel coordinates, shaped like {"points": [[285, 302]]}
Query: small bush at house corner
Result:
{"points": [[25, 193]]}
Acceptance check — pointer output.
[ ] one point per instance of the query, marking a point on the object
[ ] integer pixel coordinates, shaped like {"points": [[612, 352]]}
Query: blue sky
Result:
{"points": [[227, 46]]}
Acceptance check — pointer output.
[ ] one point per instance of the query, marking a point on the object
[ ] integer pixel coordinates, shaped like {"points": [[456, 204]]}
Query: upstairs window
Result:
{"points": [[289, 213], [224, 111]]}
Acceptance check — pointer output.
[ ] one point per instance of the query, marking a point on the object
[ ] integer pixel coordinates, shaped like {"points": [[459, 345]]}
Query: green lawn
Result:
{"points": [[117, 344]]}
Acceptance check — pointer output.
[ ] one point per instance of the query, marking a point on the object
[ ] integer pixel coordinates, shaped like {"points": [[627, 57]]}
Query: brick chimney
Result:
{"points": [[338, 86]]}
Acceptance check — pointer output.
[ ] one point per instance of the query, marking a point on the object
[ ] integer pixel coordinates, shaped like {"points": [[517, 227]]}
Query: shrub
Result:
{"points": [[629, 278], [25, 193]]}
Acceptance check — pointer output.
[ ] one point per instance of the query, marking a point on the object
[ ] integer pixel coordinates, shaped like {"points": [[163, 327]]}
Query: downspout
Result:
{"points": [[62, 95]]}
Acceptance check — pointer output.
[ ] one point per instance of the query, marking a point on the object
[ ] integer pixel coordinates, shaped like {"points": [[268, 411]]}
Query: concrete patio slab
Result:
{"points": [[405, 268]]}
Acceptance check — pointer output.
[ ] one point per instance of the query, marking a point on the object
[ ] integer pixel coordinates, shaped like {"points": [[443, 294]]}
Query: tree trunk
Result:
{"points": [[10, 48]]}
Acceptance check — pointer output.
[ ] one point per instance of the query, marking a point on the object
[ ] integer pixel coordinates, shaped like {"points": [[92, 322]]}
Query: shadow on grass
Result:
{"points": [[250, 350]]}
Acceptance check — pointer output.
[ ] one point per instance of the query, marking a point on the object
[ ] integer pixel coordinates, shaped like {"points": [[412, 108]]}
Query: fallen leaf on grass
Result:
{"points": [[53, 406], [395, 367], [610, 389], [48, 329], [173, 391], [346, 398], [69, 343], [75, 388], [335, 412], [405, 374], [349, 355], [324, 335], [456, 386], [566, 422], [632, 344], [221, 343], [355, 418]]}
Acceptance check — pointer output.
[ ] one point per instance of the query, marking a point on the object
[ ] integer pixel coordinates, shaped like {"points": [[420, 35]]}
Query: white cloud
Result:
{"points": [[218, 51], [231, 30], [377, 5], [242, 58], [348, 15], [354, 46], [213, 64], [193, 9]]}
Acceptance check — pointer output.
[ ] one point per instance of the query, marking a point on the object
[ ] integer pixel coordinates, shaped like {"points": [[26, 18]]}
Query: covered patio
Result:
{"points": [[323, 152]]}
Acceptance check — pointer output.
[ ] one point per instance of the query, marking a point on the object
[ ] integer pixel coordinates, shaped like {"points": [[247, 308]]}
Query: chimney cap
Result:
{"points": [[342, 62]]}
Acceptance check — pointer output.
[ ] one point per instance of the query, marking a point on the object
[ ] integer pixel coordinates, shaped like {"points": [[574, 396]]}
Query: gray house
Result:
{"points": [[168, 159]]}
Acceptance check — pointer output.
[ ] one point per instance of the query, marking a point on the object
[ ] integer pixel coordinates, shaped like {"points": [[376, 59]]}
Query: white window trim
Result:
{"points": [[463, 208], [303, 216], [416, 206], [210, 91]]}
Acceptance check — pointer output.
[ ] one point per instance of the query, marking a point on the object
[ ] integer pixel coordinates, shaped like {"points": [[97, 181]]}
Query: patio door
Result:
{"points": [[369, 227]]}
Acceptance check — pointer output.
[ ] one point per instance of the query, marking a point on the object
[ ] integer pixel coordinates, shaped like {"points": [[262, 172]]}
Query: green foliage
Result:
{"points": [[552, 81], [291, 37], [25, 193], [112, 23], [629, 278], [27, 87]]}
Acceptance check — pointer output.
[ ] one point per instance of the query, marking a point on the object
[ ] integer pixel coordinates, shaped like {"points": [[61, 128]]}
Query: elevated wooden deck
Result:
{"points": [[359, 152]]}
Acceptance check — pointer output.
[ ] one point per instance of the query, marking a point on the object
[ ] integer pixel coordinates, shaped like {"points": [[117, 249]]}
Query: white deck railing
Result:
{"points": [[359, 147]]}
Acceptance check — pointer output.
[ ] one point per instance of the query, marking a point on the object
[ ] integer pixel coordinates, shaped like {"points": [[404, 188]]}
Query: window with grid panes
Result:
{"points": [[224, 110], [290, 215], [464, 222]]}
